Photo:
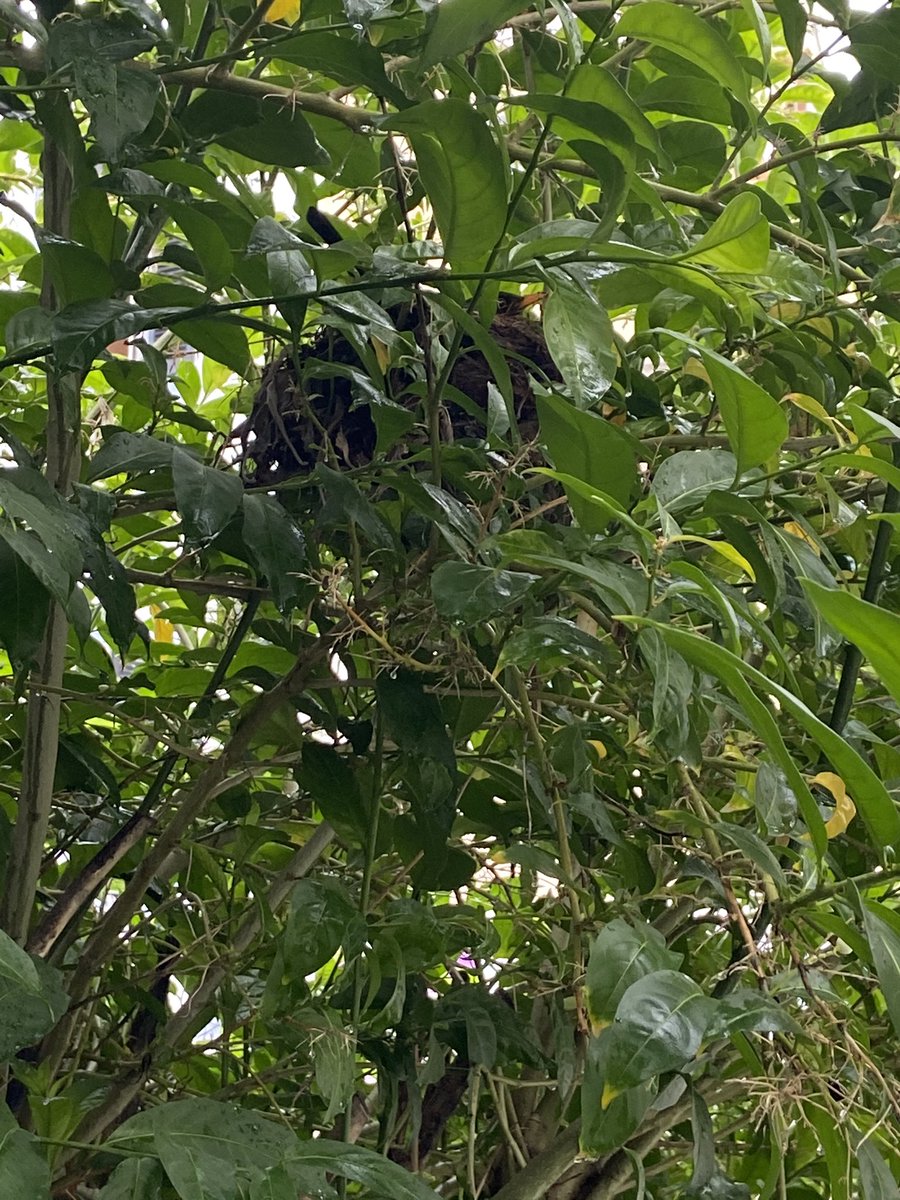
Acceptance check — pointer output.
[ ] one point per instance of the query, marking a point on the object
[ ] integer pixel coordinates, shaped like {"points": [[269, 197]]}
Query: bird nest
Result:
{"points": [[319, 404]]}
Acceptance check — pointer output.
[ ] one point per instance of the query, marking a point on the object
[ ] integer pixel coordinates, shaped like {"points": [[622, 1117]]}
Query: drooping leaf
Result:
{"points": [[461, 24], [682, 32], [580, 338], [462, 172], [875, 1175], [276, 548], [207, 498], [876, 631], [31, 998], [755, 422], [884, 941], [738, 240], [24, 1171], [24, 604]]}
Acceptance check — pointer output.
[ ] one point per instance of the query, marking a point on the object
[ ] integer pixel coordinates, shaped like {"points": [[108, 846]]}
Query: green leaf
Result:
{"points": [[659, 1025], [376, 1173], [135, 1179], [755, 422], [221, 340], [413, 718], [681, 31], [461, 24], [466, 592], [793, 22], [874, 630], [462, 171], [875, 1175], [81, 331], [684, 480], [24, 604], [206, 1148], [267, 131], [206, 498], [330, 780], [598, 86], [620, 955], [352, 61], [276, 548], [31, 998], [207, 241], [320, 916], [25, 496], [24, 1172], [738, 240], [884, 942], [131, 453], [708, 1182], [120, 99], [747, 1011], [580, 338], [549, 642], [869, 793]]}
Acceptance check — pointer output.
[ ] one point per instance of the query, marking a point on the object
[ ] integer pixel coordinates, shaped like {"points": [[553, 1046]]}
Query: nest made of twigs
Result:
{"points": [[308, 408]]}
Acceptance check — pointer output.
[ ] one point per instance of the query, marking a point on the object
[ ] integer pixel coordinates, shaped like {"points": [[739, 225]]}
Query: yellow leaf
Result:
{"points": [[724, 548], [599, 748], [799, 532], [609, 1094], [809, 404], [382, 353], [284, 10], [693, 366], [844, 808]]}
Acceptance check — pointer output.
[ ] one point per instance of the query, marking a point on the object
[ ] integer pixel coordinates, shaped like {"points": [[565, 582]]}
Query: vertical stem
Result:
{"points": [[41, 739]]}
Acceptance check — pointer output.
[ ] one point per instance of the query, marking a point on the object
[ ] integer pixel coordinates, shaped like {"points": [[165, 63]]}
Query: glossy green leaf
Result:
{"points": [[620, 955], [466, 592], [746, 1011], [276, 547], [460, 24], [659, 1025], [681, 31], [876, 631], [580, 338], [755, 422], [738, 239], [31, 998], [24, 1171], [592, 449], [207, 498], [684, 479], [884, 941], [462, 171], [81, 331]]}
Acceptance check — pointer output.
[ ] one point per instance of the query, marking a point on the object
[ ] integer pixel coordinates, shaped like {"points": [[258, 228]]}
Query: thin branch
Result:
{"points": [[781, 160]]}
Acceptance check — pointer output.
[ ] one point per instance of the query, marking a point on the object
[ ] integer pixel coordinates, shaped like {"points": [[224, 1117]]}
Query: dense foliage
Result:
{"points": [[449, 599]]}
